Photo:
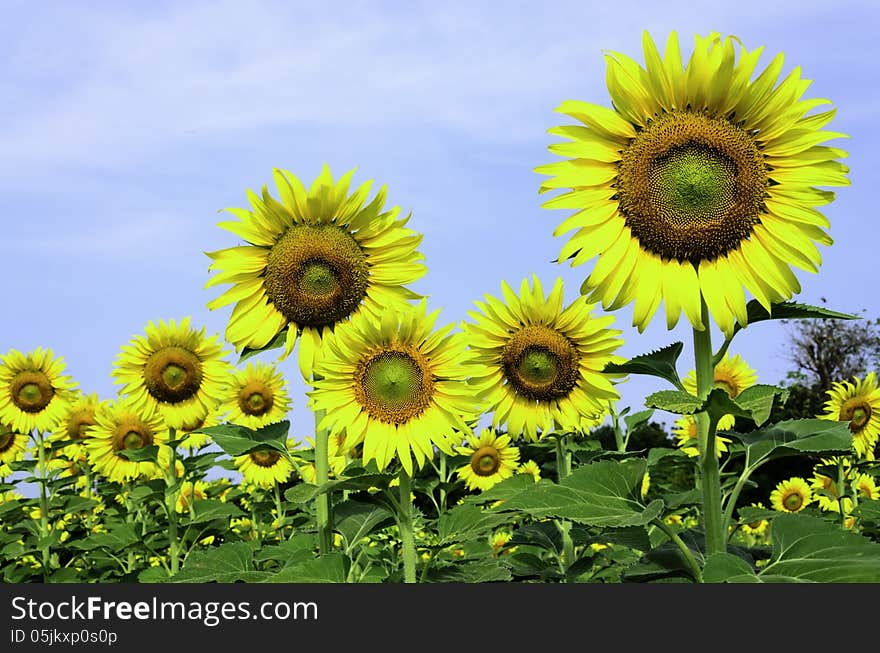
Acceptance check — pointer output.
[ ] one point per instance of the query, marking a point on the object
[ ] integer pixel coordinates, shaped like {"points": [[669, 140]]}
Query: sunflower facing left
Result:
{"points": [[174, 369], [33, 392], [312, 260]]}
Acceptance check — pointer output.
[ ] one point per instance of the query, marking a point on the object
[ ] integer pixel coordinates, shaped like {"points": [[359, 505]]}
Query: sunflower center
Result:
{"points": [[485, 461], [394, 385], [132, 435], [793, 501], [32, 391], [540, 363], [857, 413], [173, 374], [265, 457], [79, 423], [691, 186], [255, 399], [7, 439], [730, 388], [316, 275], [755, 524]]}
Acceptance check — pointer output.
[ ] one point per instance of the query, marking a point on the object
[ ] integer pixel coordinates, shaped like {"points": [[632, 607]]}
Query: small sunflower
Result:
{"points": [[313, 260], [731, 374], [756, 528], [13, 446], [173, 368], [74, 424], [33, 392], [825, 491], [122, 425], [256, 396], [685, 432], [792, 495], [867, 487], [190, 435], [264, 467], [530, 467], [396, 385], [699, 181], [191, 491], [538, 365], [492, 459], [857, 402]]}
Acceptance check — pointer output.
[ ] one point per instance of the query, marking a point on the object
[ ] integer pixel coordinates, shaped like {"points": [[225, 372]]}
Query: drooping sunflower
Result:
{"points": [[492, 459], [256, 396], [13, 446], [123, 425], [867, 487], [397, 386], [857, 402], [264, 467], [313, 260], [791, 495], [698, 182], [174, 369], [538, 365], [33, 391]]}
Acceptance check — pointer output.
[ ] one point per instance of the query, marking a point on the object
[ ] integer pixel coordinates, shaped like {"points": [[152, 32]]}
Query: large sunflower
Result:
{"points": [[395, 385], [492, 459], [256, 396], [538, 365], [312, 260], [33, 392], [857, 402], [173, 368], [700, 181], [123, 425]]}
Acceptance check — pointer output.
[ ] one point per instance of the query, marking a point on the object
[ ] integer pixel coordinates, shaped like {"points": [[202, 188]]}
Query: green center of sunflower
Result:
{"points": [[256, 399], [32, 391], [485, 461], [394, 385], [691, 186], [173, 374], [7, 439], [541, 363], [132, 440], [265, 457], [131, 434], [793, 501], [857, 413], [79, 423], [316, 275]]}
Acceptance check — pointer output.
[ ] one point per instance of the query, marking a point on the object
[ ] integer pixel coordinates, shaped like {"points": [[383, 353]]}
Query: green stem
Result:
{"points": [[442, 474], [322, 475], [279, 510], [44, 506], [405, 524], [171, 491], [740, 484], [684, 548], [710, 477], [563, 469], [618, 433]]}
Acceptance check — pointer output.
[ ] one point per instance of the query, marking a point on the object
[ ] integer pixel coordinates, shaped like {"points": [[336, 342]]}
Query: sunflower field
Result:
{"points": [[466, 451]]}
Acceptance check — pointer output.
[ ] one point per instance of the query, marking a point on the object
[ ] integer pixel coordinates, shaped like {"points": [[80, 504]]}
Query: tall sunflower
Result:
{"points": [[256, 396], [123, 425], [174, 369], [857, 402], [396, 385], [33, 391], [492, 459], [700, 181], [311, 261], [536, 364]]}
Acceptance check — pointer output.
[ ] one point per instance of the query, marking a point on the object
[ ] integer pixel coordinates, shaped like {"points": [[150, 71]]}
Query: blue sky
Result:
{"points": [[126, 127]]}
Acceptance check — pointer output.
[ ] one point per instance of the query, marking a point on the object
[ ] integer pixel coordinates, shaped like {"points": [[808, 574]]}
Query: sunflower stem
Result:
{"points": [[710, 476], [322, 475], [405, 524], [279, 509], [171, 490], [563, 469], [618, 432], [44, 506], [685, 550]]}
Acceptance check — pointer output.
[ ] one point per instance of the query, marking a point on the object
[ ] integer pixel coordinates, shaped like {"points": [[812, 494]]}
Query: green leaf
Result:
{"points": [[305, 492], [675, 401], [330, 568], [754, 403], [148, 454], [728, 568], [637, 419], [354, 520], [276, 343], [478, 571], [467, 522], [598, 494], [237, 440], [117, 538], [795, 437], [811, 550], [789, 311], [298, 548], [228, 563], [660, 362], [79, 504], [207, 509]]}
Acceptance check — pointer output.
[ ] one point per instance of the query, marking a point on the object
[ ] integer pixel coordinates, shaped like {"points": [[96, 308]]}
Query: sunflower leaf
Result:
{"points": [[466, 522], [228, 563], [355, 520], [205, 510], [660, 362], [276, 343], [754, 403], [238, 440], [675, 401], [728, 568], [795, 437], [789, 311], [148, 454], [329, 568]]}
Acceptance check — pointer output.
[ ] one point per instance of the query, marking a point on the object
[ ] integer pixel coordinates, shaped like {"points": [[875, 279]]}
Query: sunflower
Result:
{"points": [[492, 459], [859, 404], [311, 261], [685, 432], [825, 491], [698, 182], [190, 436], [538, 365], [122, 425], [867, 487], [264, 467], [731, 374], [13, 446], [395, 385], [758, 527], [337, 460], [792, 495], [75, 422], [191, 491], [256, 396], [173, 368], [530, 467], [33, 392]]}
